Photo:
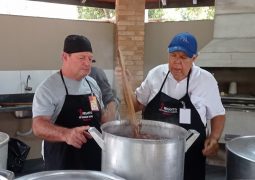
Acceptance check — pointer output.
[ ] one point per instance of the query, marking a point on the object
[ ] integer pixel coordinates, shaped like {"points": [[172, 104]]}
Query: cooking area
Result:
{"points": [[226, 48], [238, 102], [229, 56]]}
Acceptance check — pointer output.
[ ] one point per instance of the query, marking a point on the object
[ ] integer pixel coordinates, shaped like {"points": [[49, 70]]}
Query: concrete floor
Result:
{"points": [[36, 165], [215, 172]]}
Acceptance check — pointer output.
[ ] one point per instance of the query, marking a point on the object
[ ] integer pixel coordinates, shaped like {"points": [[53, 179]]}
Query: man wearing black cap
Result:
{"points": [[184, 94], [65, 105]]}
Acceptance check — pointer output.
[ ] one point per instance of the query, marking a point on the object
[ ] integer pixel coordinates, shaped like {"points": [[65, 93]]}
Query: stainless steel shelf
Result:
{"points": [[239, 103], [238, 99], [239, 108]]}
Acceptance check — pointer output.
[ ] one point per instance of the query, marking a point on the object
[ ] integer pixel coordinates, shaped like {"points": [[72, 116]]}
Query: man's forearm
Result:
{"points": [[217, 126], [44, 129]]}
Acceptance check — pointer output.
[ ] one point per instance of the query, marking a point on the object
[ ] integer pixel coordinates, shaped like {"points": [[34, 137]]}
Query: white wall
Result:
{"points": [[33, 43]]}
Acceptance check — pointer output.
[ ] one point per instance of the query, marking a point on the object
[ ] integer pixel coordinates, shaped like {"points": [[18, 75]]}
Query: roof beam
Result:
{"points": [[150, 4]]}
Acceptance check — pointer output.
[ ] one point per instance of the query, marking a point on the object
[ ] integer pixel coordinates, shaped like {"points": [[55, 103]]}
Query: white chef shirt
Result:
{"points": [[203, 90]]}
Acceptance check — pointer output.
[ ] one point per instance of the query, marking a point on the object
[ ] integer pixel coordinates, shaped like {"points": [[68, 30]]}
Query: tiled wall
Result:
{"points": [[14, 82]]}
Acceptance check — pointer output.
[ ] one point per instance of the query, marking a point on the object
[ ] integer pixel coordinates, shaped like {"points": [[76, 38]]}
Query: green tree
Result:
{"points": [[194, 13], [155, 13], [95, 13]]}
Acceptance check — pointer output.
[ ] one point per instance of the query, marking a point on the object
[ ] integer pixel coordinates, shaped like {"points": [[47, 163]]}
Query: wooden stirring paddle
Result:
{"points": [[127, 89]]}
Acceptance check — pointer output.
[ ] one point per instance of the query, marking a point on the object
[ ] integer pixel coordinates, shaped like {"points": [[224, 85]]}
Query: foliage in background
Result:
{"points": [[95, 13], [170, 14], [155, 13], [182, 14], [191, 13]]}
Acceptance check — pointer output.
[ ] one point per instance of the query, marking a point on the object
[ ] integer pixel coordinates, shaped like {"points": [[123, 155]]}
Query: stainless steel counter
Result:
{"points": [[16, 102], [16, 108]]}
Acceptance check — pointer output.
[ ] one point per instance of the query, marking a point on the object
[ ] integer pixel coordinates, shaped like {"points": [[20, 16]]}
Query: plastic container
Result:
{"points": [[6, 174], [4, 138]]}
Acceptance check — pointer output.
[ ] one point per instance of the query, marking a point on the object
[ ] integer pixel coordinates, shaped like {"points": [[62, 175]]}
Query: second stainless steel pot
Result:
{"points": [[241, 158], [143, 159]]}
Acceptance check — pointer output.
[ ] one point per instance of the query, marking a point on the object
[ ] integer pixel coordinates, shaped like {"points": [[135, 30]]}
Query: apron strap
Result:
{"points": [[89, 86], [187, 87], [164, 82], [61, 74]]}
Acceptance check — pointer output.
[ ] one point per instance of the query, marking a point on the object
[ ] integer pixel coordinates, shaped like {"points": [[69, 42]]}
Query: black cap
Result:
{"points": [[77, 43]]}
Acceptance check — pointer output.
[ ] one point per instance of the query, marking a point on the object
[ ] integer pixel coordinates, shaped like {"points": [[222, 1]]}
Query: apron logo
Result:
{"points": [[85, 116], [167, 110]]}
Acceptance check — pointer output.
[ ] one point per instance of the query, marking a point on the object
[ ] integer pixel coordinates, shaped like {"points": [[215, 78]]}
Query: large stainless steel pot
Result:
{"points": [[143, 159], [241, 158], [70, 175]]}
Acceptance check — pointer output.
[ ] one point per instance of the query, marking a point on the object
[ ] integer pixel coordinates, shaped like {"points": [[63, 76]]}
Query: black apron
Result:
{"points": [[165, 108], [75, 112]]}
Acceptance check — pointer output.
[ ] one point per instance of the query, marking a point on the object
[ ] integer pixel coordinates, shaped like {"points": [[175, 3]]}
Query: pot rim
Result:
{"points": [[146, 122], [55, 173]]}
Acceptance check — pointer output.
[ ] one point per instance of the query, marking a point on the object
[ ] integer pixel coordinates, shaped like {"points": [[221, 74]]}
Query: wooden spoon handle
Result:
{"points": [[128, 93]]}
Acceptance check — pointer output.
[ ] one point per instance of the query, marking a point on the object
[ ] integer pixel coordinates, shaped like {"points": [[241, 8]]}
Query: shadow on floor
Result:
{"points": [[31, 166]]}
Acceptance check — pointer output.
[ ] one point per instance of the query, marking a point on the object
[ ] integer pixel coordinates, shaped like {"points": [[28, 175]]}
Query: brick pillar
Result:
{"points": [[130, 39]]}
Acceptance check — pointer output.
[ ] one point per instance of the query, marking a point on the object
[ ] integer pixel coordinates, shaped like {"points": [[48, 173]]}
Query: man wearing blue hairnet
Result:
{"points": [[184, 94]]}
